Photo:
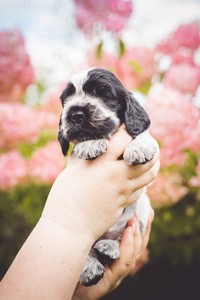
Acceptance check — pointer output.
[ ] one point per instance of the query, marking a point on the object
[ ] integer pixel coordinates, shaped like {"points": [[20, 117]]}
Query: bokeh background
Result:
{"points": [[154, 49]]}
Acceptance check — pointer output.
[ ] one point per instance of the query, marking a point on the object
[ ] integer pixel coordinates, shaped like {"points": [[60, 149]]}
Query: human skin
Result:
{"points": [[85, 200]]}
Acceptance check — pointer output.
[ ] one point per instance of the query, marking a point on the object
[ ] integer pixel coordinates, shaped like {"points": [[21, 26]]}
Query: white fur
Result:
{"points": [[93, 270], [90, 149], [141, 149]]}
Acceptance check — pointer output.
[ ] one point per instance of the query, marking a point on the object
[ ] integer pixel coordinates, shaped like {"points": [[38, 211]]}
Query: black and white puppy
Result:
{"points": [[95, 104]]}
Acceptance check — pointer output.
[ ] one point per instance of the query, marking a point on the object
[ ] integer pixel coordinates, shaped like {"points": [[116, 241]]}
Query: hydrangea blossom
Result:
{"points": [[46, 163], [183, 77], [18, 123], [185, 37], [110, 14], [175, 123], [13, 170], [166, 190], [16, 69], [135, 68], [48, 114]]}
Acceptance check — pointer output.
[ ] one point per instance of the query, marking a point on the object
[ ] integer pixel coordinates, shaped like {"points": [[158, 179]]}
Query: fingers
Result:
{"points": [[117, 144], [145, 178], [133, 172], [130, 248], [138, 170], [137, 240], [134, 196]]}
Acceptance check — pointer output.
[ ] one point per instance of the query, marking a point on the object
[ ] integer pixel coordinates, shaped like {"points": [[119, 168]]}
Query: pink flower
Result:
{"points": [[166, 190], [16, 69], [111, 14], [175, 123], [183, 77], [185, 37], [47, 120], [182, 57], [18, 123], [135, 68], [13, 170], [108, 61], [46, 163], [48, 114], [52, 102]]}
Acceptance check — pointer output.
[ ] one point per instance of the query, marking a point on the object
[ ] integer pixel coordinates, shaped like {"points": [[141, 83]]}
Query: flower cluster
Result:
{"points": [[27, 151], [181, 47], [176, 116], [46, 163], [13, 170], [179, 75], [182, 43], [16, 70], [175, 123], [109, 14], [168, 189], [135, 68], [18, 124]]}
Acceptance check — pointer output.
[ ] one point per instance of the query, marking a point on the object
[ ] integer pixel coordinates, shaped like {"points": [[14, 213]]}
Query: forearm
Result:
{"points": [[48, 265]]}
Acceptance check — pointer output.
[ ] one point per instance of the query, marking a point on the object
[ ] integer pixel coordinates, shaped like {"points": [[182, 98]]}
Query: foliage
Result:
{"points": [[20, 209], [175, 232]]}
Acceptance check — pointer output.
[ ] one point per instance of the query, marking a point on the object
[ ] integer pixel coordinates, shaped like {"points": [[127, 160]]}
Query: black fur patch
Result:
{"points": [[68, 91]]}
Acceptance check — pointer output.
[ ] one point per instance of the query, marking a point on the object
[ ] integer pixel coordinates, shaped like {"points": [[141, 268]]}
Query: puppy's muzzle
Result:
{"points": [[77, 117]]}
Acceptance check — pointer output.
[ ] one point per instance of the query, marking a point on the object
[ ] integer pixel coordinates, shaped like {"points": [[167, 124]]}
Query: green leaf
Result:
{"points": [[122, 48], [27, 149], [99, 51], [145, 87], [135, 66]]}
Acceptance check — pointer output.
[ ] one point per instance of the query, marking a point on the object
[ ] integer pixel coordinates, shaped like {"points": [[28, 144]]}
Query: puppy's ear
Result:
{"points": [[136, 119], [63, 142]]}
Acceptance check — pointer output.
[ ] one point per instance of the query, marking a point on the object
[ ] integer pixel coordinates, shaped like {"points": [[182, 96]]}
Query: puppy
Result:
{"points": [[95, 104]]}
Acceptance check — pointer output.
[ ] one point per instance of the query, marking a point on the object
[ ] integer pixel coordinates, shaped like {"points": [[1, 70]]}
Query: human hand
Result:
{"points": [[132, 248], [92, 194]]}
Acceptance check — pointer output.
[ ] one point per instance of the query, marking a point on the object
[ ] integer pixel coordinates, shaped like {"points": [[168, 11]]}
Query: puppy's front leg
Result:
{"points": [[141, 149], [107, 250], [93, 270], [90, 149]]}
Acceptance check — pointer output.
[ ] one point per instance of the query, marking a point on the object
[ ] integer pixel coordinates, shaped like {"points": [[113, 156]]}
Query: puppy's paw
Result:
{"points": [[107, 250], [141, 150], [90, 149], [92, 273]]}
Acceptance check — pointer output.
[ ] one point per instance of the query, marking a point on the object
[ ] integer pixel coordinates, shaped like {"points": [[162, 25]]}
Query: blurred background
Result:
{"points": [[153, 47]]}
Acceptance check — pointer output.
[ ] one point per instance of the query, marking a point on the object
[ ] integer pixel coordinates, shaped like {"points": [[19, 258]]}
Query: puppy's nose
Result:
{"points": [[78, 116]]}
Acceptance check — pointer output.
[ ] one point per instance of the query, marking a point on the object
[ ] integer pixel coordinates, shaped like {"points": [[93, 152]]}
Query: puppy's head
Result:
{"points": [[94, 104]]}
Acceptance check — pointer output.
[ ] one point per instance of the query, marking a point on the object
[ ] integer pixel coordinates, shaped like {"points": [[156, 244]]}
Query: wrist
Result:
{"points": [[70, 222]]}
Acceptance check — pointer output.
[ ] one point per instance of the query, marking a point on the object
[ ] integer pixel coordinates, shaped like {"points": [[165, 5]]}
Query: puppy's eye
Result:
{"points": [[68, 91]]}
